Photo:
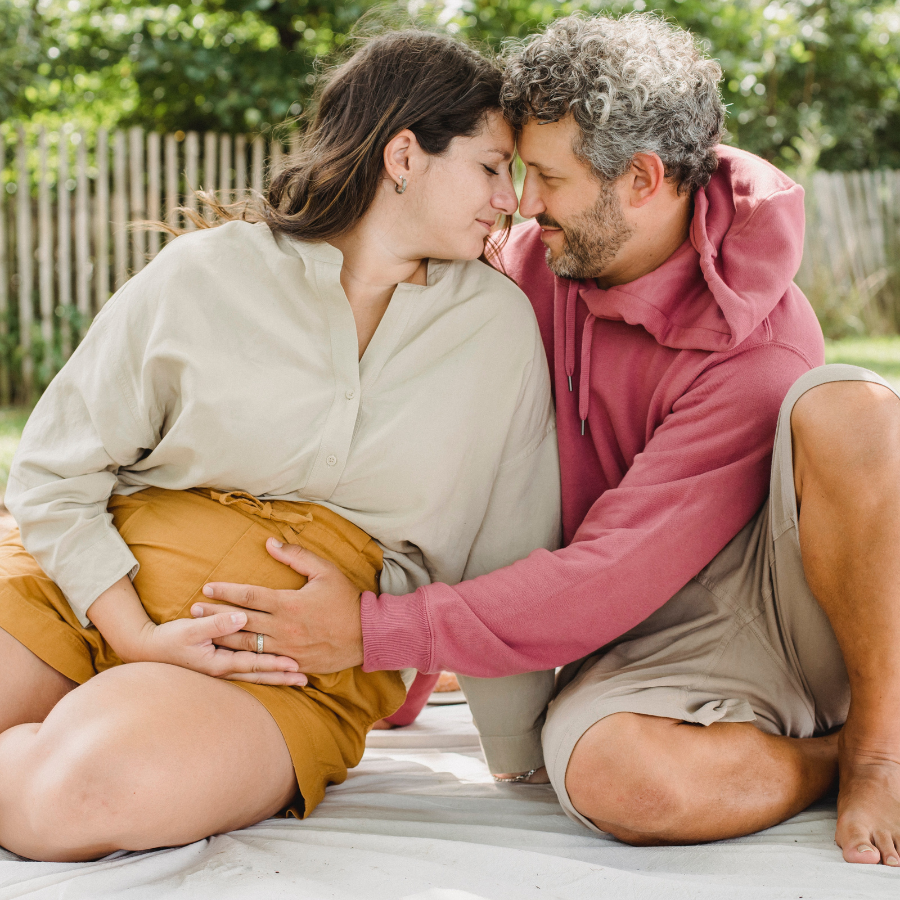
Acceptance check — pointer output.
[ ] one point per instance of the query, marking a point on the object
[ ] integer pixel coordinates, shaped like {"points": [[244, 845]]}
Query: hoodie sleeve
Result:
{"points": [[701, 477]]}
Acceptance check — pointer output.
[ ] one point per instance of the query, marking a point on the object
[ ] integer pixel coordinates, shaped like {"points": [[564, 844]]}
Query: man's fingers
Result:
{"points": [[243, 595], [244, 641], [298, 558]]}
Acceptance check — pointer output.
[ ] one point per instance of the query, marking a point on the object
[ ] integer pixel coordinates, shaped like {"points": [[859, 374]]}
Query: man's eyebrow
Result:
{"points": [[540, 166]]}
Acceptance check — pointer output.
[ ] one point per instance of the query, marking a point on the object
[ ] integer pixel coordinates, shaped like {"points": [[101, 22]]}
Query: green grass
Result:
{"points": [[12, 421], [880, 354]]}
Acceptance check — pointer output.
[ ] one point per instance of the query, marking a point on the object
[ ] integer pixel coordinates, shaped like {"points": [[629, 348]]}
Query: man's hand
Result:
{"points": [[318, 625]]}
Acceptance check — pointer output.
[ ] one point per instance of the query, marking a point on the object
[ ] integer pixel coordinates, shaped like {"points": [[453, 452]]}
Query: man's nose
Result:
{"points": [[530, 204]]}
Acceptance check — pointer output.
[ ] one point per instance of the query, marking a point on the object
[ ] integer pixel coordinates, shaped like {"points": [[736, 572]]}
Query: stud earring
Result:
{"points": [[400, 188]]}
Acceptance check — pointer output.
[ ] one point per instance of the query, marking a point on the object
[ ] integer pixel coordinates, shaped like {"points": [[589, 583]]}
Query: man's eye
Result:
{"points": [[490, 170]]}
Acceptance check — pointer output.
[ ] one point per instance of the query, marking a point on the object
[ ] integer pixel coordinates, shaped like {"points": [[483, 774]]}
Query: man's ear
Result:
{"points": [[648, 177], [398, 155]]}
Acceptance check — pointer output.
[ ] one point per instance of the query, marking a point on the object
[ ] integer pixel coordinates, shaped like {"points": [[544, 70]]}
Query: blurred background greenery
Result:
{"points": [[811, 85], [808, 82]]}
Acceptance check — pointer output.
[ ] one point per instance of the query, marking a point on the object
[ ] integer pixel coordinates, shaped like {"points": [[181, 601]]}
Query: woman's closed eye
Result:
{"points": [[489, 170]]}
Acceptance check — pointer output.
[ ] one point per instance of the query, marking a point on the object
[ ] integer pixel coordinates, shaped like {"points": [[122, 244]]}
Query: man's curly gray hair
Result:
{"points": [[634, 84]]}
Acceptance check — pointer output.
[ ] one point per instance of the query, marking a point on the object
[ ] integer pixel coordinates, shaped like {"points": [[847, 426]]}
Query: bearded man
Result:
{"points": [[731, 507]]}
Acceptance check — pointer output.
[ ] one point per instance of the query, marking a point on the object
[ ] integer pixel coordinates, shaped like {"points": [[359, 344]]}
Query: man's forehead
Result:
{"points": [[548, 145]]}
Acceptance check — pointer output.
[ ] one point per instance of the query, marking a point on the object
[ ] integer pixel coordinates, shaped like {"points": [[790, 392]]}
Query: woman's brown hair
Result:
{"points": [[435, 86]]}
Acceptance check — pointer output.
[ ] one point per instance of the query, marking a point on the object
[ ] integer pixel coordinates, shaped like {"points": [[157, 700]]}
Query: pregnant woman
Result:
{"points": [[340, 371]]}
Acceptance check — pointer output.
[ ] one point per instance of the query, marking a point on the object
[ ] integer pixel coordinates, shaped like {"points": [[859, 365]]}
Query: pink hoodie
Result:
{"points": [[676, 381]]}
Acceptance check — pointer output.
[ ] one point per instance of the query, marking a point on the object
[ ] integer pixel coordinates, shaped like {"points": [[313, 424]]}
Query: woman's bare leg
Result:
{"points": [[144, 755], [29, 688]]}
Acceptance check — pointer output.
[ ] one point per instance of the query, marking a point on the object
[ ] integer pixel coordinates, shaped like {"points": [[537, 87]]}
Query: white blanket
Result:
{"points": [[421, 819]]}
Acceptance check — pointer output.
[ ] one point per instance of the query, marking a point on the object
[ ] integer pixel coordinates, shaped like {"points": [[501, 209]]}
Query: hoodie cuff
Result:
{"points": [[396, 632]]}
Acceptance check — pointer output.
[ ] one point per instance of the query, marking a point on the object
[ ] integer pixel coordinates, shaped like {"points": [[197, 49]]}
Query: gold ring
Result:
{"points": [[259, 643]]}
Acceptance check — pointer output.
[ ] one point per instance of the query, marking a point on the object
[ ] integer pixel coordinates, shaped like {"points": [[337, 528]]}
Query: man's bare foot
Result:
{"points": [[382, 725], [868, 825]]}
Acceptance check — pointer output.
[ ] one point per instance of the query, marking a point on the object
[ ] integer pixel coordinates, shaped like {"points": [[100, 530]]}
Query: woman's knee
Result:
{"points": [[79, 787], [620, 777]]}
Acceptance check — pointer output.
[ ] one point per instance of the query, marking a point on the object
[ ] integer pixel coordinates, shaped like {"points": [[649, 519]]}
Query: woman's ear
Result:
{"points": [[398, 156]]}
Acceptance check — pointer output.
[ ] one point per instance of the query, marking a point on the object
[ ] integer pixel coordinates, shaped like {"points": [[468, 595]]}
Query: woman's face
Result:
{"points": [[459, 197]]}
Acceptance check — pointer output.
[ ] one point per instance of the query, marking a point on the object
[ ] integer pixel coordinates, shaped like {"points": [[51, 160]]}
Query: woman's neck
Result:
{"points": [[369, 275]]}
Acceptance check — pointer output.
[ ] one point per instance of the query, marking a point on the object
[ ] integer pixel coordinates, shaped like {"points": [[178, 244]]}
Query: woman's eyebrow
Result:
{"points": [[505, 155]]}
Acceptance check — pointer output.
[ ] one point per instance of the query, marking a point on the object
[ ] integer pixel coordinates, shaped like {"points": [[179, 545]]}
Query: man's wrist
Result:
{"points": [[395, 632]]}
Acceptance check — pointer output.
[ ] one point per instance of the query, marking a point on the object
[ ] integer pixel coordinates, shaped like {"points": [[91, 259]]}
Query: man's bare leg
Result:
{"points": [[847, 473], [29, 688], [649, 780]]}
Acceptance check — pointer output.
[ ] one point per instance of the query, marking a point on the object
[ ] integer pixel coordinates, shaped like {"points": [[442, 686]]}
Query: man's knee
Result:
{"points": [[621, 778], [846, 428]]}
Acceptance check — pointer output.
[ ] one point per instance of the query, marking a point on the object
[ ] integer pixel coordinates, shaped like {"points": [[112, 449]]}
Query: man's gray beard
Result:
{"points": [[593, 239]]}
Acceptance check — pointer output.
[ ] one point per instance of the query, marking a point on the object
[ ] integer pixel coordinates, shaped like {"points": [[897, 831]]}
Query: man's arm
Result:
{"points": [[699, 480], [701, 477]]}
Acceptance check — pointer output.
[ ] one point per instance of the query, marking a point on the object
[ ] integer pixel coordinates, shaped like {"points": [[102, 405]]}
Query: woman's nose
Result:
{"points": [[505, 201]]}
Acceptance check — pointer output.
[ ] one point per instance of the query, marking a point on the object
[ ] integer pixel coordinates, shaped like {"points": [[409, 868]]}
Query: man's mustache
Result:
{"points": [[546, 221]]}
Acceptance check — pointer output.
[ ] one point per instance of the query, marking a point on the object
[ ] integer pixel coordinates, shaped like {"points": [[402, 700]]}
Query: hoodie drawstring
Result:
{"points": [[571, 297], [584, 388]]}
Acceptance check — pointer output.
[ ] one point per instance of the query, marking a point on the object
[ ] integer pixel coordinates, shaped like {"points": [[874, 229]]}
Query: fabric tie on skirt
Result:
{"points": [[288, 522]]}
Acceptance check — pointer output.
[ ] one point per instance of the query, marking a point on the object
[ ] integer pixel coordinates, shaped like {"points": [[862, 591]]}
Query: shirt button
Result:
{"points": [[349, 394], [331, 460]]}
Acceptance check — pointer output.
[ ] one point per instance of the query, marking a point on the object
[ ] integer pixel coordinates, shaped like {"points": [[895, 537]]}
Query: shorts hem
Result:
{"points": [[660, 707]]}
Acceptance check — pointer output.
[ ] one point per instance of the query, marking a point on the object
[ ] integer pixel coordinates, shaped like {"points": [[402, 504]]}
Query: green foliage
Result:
{"points": [[808, 82]]}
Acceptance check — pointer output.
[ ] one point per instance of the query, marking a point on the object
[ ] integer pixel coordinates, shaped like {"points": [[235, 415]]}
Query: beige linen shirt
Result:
{"points": [[231, 361]]}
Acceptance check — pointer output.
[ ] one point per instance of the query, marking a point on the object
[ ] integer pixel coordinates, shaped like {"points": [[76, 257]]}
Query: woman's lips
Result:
{"points": [[487, 224]]}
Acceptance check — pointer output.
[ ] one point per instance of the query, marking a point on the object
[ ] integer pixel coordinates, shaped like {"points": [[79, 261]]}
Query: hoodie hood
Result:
{"points": [[745, 245], [744, 248]]}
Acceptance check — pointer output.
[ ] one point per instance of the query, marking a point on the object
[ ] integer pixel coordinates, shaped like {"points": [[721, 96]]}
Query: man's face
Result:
{"points": [[581, 218]]}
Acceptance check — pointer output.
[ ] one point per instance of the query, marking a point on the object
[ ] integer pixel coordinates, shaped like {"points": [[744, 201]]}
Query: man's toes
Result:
{"points": [[887, 848], [857, 846]]}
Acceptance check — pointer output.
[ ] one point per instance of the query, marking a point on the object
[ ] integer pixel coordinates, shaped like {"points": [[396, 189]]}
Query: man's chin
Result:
{"points": [[563, 266]]}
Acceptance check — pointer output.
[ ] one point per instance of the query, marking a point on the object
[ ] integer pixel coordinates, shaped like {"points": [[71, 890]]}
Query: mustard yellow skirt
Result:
{"points": [[182, 540]]}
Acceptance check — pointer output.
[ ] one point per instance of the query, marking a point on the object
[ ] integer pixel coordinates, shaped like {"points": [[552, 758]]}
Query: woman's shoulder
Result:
{"points": [[230, 244], [492, 290]]}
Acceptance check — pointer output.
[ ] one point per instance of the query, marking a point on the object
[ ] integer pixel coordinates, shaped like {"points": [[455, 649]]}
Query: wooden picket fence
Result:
{"points": [[851, 260], [67, 198], [66, 201]]}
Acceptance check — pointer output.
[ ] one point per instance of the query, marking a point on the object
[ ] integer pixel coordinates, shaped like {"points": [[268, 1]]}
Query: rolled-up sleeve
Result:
{"points": [[91, 420]]}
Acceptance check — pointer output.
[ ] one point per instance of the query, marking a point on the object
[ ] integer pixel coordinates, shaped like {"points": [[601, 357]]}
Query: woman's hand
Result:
{"points": [[190, 643]]}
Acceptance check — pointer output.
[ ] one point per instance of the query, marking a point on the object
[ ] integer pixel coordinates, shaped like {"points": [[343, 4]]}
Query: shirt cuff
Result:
{"points": [[396, 632], [88, 576]]}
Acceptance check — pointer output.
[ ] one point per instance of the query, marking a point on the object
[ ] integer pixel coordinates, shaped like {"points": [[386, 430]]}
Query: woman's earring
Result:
{"points": [[400, 188]]}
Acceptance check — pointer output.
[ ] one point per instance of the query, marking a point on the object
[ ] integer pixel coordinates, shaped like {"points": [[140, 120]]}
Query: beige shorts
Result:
{"points": [[744, 641]]}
